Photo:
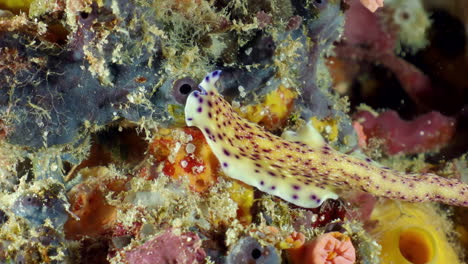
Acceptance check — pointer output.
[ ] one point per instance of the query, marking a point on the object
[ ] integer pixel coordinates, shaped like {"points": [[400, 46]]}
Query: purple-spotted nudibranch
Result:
{"points": [[302, 171]]}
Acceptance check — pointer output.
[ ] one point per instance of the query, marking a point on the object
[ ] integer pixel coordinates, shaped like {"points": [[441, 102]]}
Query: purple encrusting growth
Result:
{"points": [[303, 174], [323, 29], [66, 85]]}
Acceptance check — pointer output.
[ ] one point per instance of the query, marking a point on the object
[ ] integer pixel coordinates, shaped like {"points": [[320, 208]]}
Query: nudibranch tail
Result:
{"points": [[353, 173], [299, 173]]}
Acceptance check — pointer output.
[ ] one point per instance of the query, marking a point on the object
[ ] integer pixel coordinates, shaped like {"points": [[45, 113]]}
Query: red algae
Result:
{"points": [[426, 133]]}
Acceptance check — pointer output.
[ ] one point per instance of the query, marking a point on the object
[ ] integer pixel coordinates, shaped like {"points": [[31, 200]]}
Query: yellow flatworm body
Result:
{"points": [[300, 173]]}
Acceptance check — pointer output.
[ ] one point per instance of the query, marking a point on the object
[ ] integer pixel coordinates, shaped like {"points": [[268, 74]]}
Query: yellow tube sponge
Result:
{"points": [[412, 234]]}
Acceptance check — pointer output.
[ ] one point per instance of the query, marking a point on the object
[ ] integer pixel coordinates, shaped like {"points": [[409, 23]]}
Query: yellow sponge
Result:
{"points": [[412, 234]]}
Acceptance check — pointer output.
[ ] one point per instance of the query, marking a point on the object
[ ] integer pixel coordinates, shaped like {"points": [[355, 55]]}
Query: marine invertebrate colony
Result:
{"points": [[329, 248], [307, 173]]}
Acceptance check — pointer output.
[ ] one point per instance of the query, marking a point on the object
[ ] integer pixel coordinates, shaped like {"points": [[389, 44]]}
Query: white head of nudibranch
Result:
{"points": [[246, 152], [196, 102]]}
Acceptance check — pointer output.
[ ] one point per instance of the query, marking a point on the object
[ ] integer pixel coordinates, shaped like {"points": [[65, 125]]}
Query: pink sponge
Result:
{"points": [[425, 133], [169, 248]]}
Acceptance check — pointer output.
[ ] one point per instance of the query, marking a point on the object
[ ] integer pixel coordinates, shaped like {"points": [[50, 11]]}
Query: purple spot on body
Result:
{"points": [[207, 78], [215, 73], [313, 197], [210, 104], [296, 187], [196, 94], [318, 200], [262, 183], [210, 115], [272, 173], [199, 109], [189, 119], [273, 187], [226, 152], [295, 196], [207, 130], [225, 164], [203, 91], [257, 171], [200, 100]]}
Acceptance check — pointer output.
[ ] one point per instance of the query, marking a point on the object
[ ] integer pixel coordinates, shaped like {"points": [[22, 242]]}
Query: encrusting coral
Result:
{"points": [[305, 174]]}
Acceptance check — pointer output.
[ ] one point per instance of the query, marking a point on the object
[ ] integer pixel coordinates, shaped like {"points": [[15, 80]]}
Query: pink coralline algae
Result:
{"points": [[169, 248], [425, 133]]}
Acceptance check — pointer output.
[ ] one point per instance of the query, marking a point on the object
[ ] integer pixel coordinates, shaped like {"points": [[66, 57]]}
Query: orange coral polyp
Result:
{"points": [[332, 248], [294, 241], [329, 248]]}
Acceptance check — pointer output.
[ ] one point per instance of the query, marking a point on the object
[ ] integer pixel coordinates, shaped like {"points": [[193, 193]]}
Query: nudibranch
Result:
{"points": [[303, 172]]}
